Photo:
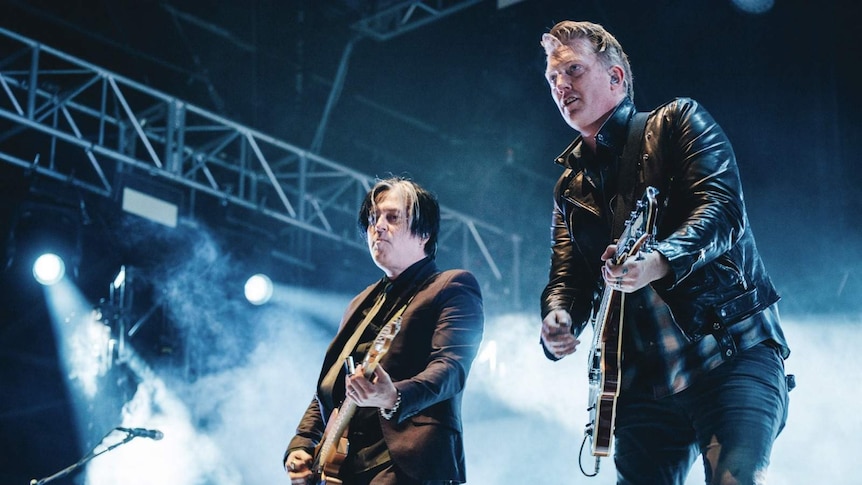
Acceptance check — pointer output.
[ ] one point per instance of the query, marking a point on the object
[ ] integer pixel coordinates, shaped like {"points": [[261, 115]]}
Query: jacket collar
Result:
{"points": [[611, 137], [412, 276]]}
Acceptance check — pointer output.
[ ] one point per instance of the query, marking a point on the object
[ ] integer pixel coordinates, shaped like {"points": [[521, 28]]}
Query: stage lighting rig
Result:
{"points": [[45, 239]]}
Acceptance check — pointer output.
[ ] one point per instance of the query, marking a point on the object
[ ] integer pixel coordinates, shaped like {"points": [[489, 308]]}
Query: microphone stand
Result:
{"points": [[89, 456]]}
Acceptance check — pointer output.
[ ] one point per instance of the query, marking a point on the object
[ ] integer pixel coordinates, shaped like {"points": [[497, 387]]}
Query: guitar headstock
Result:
{"points": [[380, 346]]}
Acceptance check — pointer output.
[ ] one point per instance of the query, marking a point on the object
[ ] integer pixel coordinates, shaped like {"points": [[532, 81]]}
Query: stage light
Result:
{"points": [[49, 269], [488, 353], [120, 279], [258, 289]]}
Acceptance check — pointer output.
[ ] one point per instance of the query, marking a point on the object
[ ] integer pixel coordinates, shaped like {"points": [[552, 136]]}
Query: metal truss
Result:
{"points": [[382, 26], [74, 122], [407, 16]]}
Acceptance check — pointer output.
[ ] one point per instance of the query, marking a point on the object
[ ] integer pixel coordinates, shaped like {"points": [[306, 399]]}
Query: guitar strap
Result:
{"points": [[328, 382], [630, 175]]}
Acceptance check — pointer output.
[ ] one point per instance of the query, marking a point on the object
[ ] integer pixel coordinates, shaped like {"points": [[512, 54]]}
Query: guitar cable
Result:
{"points": [[581, 457]]}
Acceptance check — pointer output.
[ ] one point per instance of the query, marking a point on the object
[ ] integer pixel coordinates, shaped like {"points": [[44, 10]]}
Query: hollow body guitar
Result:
{"points": [[607, 319], [330, 453]]}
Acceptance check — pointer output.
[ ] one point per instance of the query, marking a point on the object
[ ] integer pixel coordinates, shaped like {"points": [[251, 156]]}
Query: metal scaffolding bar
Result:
{"points": [[406, 16], [75, 122]]}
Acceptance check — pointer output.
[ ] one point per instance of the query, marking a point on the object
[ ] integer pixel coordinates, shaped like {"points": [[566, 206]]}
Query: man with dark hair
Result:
{"points": [[406, 423], [701, 361]]}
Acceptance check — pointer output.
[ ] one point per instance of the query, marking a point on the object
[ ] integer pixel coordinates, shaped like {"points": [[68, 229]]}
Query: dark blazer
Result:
{"points": [[429, 361]]}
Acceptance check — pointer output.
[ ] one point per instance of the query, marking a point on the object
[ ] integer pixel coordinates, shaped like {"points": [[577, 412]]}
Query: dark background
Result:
{"points": [[460, 105]]}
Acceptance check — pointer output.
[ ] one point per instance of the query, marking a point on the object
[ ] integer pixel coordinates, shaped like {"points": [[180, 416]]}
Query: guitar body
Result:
{"points": [[329, 459], [606, 354], [605, 374], [333, 466], [330, 454]]}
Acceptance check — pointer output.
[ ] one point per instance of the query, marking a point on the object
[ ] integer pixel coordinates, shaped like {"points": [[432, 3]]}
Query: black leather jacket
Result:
{"points": [[717, 276]]}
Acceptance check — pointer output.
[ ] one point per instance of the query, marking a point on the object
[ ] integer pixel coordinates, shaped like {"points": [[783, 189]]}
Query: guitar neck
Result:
{"points": [[345, 414], [346, 411]]}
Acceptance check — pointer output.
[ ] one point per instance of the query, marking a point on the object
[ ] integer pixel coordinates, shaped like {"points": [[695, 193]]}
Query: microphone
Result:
{"points": [[153, 434]]}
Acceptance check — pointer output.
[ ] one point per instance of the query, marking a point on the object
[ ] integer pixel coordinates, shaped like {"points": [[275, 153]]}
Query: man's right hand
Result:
{"points": [[557, 334], [298, 466]]}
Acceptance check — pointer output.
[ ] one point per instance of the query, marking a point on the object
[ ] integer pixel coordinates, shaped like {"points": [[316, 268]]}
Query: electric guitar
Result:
{"points": [[607, 319], [330, 453]]}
